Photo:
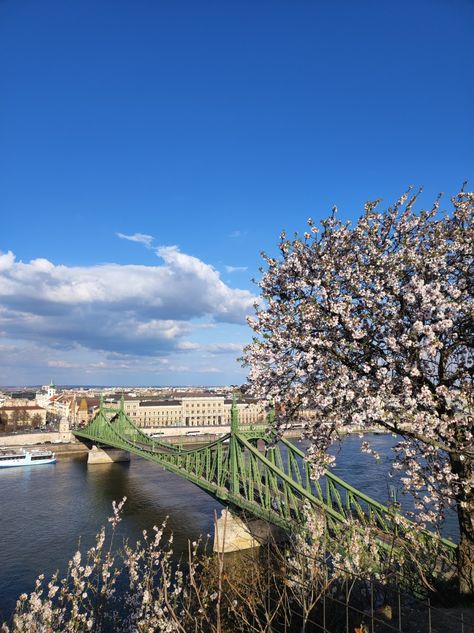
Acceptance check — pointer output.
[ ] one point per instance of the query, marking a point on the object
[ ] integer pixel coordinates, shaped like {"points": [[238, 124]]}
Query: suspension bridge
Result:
{"points": [[252, 473]]}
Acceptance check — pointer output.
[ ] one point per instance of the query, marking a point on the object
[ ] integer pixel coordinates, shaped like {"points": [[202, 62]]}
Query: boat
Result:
{"points": [[26, 458]]}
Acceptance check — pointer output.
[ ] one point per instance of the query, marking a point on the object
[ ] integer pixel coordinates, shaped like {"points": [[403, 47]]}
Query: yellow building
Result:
{"points": [[192, 411], [13, 417]]}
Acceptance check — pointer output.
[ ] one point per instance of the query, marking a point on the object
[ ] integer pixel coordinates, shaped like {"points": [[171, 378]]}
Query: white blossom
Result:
{"points": [[372, 324]]}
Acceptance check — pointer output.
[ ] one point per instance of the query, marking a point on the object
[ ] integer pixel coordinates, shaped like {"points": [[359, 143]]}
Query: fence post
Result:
{"points": [[325, 588], [399, 609], [347, 606], [372, 606]]}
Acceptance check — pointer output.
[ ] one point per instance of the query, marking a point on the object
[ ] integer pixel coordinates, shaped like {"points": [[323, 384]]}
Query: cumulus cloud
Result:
{"points": [[141, 238], [225, 348], [62, 364], [188, 346], [212, 348], [236, 269], [128, 309]]}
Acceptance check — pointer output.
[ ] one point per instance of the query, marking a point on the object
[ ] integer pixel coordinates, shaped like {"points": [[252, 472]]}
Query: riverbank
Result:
{"points": [[64, 443], [46, 509]]}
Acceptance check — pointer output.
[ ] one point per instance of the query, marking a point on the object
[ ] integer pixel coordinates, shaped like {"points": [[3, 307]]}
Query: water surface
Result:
{"points": [[45, 510]]}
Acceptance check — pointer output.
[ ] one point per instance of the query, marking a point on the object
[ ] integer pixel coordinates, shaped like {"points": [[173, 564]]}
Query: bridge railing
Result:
{"points": [[268, 484]]}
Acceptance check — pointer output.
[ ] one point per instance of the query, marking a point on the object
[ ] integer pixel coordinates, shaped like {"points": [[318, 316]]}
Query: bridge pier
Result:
{"points": [[231, 533], [107, 455]]}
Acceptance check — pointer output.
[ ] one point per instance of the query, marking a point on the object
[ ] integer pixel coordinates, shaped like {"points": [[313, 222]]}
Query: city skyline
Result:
{"points": [[150, 152]]}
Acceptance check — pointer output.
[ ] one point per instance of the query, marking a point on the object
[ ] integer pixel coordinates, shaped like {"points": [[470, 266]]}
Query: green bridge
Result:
{"points": [[248, 471]]}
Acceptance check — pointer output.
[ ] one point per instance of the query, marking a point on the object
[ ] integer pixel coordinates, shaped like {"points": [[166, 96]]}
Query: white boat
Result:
{"points": [[26, 458]]}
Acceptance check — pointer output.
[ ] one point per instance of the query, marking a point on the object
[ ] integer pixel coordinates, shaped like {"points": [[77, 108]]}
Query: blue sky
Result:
{"points": [[150, 150]]}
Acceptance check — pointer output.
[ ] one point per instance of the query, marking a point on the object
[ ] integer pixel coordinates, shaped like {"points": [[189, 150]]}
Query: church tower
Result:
{"points": [[51, 390]]}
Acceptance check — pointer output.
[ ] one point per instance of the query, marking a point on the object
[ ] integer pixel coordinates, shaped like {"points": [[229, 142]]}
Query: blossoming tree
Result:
{"points": [[372, 324]]}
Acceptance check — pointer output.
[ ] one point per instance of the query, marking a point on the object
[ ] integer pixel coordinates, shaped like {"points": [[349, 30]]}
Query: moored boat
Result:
{"points": [[26, 458]]}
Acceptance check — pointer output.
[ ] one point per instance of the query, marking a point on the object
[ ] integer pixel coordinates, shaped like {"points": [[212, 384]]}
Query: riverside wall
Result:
{"points": [[64, 442], [30, 439]]}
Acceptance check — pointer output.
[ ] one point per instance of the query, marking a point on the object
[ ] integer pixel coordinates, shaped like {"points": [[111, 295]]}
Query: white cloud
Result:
{"points": [[126, 309], [142, 238], [212, 348], [62, 364], [188, 345], [8, 349], [236, 269], [225, 348]]}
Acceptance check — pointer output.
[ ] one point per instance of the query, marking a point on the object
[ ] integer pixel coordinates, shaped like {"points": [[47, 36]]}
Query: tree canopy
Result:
{"points": [[372, 324]]}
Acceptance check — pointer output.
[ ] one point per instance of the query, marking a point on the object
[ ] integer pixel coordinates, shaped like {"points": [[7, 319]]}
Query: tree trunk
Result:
{"points": [[465, 509], [466, 547]]}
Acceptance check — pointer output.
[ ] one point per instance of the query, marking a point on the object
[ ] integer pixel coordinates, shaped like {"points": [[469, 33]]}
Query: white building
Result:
{"points": [[56, 403], [45, 395]]}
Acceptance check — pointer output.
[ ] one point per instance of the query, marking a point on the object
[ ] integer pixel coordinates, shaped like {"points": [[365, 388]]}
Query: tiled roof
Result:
{"points": [[21, 406], [160, 403]]}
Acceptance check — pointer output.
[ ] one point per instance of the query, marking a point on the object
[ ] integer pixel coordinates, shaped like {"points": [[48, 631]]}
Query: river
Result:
{"points": [[44, 510]]}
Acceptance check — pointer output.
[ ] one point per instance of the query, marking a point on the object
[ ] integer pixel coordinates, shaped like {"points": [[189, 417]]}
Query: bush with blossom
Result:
{"points": [[136, 589], [373, 324], [141, 588]]}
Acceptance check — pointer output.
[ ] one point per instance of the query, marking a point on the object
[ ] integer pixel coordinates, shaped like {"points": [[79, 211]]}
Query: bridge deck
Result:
{"points": [[248, 471]]}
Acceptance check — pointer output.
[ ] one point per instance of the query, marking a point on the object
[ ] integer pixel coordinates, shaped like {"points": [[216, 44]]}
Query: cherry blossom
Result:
{"points": [[372, 324]]}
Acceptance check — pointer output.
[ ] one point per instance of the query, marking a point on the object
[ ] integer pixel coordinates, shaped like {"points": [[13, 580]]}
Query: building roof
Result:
{"points": [[160, 403], [22, 407]]}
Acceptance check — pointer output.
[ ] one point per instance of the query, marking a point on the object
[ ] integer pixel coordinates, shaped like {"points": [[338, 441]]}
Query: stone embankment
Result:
{"points": [[64, 443], [30, 439]]}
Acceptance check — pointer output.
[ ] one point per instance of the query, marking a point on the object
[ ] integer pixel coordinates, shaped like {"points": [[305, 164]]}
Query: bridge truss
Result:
{"points": [[253, 473]]}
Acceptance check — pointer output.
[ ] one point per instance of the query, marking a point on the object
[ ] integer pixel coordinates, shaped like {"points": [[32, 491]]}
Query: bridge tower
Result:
{"points": [[234, 415], [234, 446], [271, 415], [234, 532], [100, 452]]}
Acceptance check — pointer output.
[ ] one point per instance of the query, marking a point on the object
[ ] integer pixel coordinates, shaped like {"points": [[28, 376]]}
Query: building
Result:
{"points": [[83, 410], [203, 410], [46, 394], [16, 416]]}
